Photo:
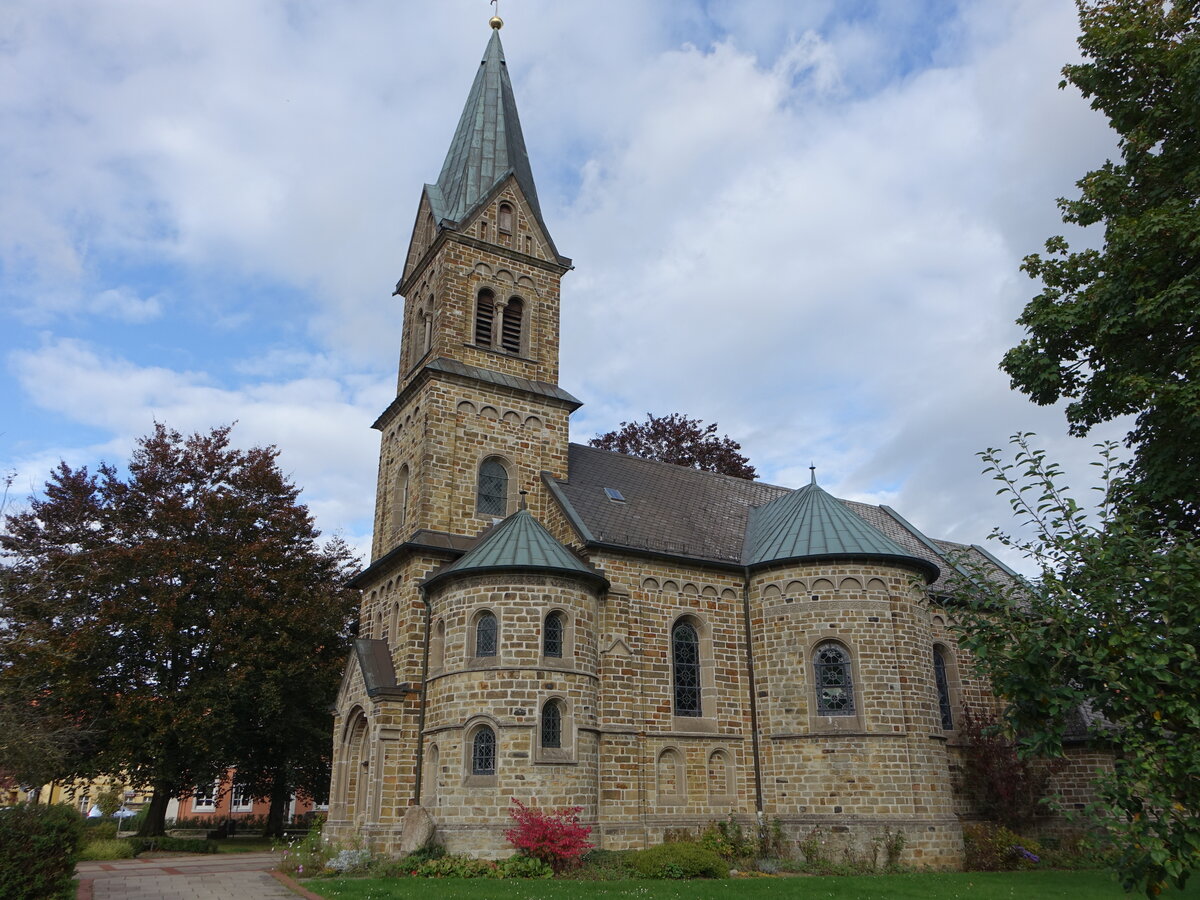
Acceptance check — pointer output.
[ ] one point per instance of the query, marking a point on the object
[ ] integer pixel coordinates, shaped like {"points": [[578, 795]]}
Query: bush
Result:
{"points": [[95, 830], [174, 845], [993, 848], [306, 855], [350, 862], [41, 844], [108, 848], [555, 838], [520, 866], [457, 867], [605, 865], [681, 860]]}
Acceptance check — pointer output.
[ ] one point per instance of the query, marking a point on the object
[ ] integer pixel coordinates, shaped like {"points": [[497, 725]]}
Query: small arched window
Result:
{"points": [[400, 503], [485, 634], [943, 687], [510, 326], [483, 752], [492, 497], [835, 684], [685, 659], [437, 646], [552, 725], [485, 315], [504, 221], [552, 635]]}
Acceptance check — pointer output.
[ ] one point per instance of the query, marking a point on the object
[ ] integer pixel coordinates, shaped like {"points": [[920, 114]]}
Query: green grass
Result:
{"points": [[1086, 885]]}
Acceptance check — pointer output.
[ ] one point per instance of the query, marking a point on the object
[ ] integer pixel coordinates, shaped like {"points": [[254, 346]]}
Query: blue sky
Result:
{"points": [[801, 221]]}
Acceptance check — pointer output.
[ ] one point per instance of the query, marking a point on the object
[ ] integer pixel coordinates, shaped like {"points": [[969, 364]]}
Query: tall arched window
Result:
{"points": [[400, 501], [835, 683], [685, 660], [552, 725], [504, 221], [943, 687], [510, 325], [485, 314], [552, 635], [485, 634], [483, 752], [492, 496], [437, 646]]}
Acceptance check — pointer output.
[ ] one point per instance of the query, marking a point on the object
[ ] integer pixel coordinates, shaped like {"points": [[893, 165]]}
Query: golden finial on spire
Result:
{"points": [[496, 22]]}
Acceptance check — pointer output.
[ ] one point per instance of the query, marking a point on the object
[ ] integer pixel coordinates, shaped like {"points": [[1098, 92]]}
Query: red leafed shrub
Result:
{"points": [[556, 838]]}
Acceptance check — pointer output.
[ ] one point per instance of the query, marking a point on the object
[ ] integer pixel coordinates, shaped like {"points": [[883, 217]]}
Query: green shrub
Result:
{"points": [[679, 860], [41, 844], [174, 845], [95, 830], [107, 848], [988, 847], [521, 866], [457, 867], [605, 865], [308, 855]]}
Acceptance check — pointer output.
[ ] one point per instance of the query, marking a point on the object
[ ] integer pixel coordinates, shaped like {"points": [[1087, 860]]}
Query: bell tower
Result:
{"points": [[478, 414]]}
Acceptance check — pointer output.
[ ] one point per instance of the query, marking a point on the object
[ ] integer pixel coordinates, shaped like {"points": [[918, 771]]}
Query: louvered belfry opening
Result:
{"points": [[485, 314], [510, 337]]}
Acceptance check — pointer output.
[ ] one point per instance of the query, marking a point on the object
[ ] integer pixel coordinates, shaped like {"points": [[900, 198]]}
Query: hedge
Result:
{"points": [[41, 845]]}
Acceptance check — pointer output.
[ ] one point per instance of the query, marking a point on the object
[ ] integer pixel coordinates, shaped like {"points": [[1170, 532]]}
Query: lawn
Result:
{"points": [[1087, 885]]}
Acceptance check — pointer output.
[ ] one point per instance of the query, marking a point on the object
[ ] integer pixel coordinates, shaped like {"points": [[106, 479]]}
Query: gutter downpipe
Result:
{"points": [[420, 766], [758, 793]]}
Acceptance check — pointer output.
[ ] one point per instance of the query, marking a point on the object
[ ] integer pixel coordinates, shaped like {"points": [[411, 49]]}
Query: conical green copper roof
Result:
{"points": [[810, 523], [519, 542], [487, 147]]}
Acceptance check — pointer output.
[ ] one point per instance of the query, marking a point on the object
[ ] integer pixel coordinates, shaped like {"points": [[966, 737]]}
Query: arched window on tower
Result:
{"points": [[942, 681], [553, 631], [685, 660], [552, 725], [485, 316], [511, 325], [486, 634], [483, 752], [504, 221], [492, 496], [835, 683], [400, 501]]}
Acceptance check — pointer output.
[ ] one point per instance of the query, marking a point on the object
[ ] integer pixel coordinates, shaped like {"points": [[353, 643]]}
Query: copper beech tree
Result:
{"points": [[183, 617], [677, 439]]}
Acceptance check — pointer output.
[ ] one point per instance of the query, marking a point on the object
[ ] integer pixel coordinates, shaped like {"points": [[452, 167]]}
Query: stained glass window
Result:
{"points": [[685, 656], [835, 685], [483, 752], [552, 725], [493, 488], [943, 688], [485, 635], [552, 636]]}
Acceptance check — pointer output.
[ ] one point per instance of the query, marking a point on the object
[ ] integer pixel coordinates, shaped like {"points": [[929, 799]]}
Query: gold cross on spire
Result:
{"points": [[496, 21]]}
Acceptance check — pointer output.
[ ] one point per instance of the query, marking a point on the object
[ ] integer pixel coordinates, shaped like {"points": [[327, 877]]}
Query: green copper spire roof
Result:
{"points": [[487, 147], [811, 523], [519, 542]]}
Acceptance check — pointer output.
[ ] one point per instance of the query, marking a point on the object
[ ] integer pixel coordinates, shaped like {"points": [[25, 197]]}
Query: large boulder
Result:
{"points": [[417, 830]]}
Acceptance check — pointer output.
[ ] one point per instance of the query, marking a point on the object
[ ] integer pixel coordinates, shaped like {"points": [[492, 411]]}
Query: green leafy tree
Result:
{"points": [[154, 610], [1117, 330], [677, 439], [1110, 627]]}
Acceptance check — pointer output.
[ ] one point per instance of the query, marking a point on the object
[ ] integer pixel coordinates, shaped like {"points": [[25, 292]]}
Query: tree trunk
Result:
{"points": [[279, 801], [156, 813]]}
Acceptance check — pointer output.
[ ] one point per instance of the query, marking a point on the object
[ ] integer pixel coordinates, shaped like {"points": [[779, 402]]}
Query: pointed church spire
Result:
{"points": [[487, 147]]}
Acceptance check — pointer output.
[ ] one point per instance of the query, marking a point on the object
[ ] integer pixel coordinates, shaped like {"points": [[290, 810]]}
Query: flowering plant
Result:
{"points": [[555, 838]]}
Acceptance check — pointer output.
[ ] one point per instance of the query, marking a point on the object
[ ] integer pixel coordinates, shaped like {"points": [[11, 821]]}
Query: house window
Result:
{"points": [[685, 658], [492, 499], [552, 635], [483, 752], [204, 798], [510, 326], [943, 688], [552, 725], [485, 634], [240, 798], [485, 314], [505, 220], [835, 685]]}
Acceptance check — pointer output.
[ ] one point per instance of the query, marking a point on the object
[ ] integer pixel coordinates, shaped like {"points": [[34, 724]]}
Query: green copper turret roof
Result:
{"points": [[487, 147], [810, 523], [519, 542]]}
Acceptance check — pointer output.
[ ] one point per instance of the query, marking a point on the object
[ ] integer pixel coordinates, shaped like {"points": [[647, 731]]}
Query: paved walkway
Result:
{"points": [[226, 876]]}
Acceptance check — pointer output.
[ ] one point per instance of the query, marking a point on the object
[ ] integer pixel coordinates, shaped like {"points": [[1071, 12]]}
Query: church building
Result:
{"points": [[570, 627]]}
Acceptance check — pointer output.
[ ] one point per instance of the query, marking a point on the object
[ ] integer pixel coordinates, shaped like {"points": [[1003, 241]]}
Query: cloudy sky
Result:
{"points": [[801, 220]]}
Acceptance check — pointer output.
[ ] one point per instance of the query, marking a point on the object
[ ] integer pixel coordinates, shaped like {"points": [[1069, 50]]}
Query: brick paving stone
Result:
{"points": [[234, 877]]}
